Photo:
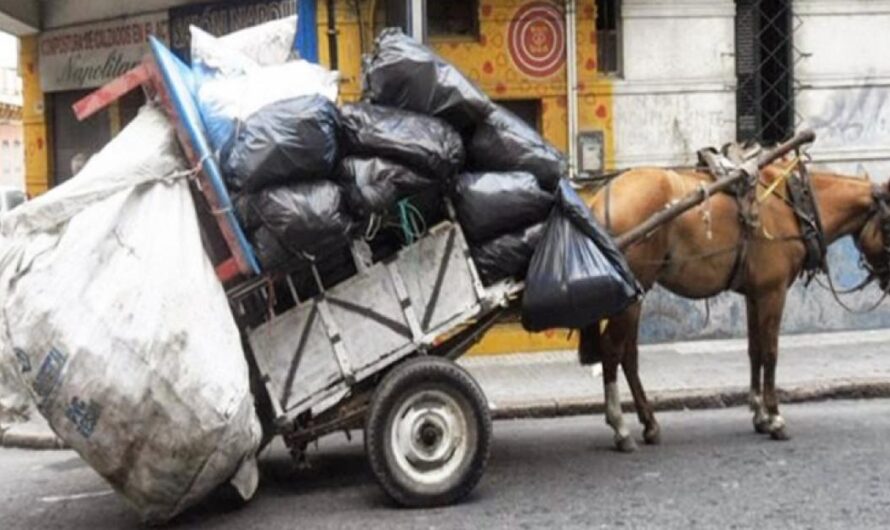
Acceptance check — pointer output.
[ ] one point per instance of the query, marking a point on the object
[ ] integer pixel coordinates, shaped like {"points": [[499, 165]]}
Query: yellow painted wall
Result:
{"points": [[38, 158]]}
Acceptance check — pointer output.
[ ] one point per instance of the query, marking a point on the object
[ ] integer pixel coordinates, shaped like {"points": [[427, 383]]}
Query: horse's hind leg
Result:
{"points": [[630, 366], [755, 397], [614, 349]]}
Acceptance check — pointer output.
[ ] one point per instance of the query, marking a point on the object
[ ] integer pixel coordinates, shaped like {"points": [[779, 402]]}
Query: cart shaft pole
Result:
{"points": [[675, 209]]}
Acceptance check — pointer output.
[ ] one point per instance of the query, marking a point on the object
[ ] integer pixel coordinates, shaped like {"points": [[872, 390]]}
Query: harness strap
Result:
{"points": [[747, 215], [806, 210]]}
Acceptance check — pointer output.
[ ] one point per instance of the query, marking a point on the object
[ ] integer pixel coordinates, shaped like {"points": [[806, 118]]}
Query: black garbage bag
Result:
{"points": [[507, 256], [292, 140], [503, 142], [304, 219], [405, 74], [374, 185], [269, 251], [492, 204], [577, 275], [424, 143]]}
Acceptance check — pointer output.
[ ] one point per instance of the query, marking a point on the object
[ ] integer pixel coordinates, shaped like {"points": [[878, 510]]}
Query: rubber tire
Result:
{"points": [[410, 377]]}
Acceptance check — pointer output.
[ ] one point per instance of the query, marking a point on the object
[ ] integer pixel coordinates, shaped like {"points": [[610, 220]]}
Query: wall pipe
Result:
{"points": [[332, 35], [572, 84]]}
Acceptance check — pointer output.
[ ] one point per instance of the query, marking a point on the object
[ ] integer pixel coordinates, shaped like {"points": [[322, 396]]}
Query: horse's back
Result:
{"points": [[637, 194]]}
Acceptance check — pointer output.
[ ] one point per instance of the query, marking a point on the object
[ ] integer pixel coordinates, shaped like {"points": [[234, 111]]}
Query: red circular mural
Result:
{"points": [[537, 40]]}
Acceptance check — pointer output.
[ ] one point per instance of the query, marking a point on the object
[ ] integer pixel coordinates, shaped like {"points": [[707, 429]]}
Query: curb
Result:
{"points": [[10, 439], [661, 402], [696, 399]]}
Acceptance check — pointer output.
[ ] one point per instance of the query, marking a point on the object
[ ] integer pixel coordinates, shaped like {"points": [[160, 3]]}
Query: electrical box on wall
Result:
{"points": [[591, 152]]}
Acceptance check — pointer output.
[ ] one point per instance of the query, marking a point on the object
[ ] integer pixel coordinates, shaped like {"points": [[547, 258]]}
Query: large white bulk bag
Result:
{"points": [[115, 321]]}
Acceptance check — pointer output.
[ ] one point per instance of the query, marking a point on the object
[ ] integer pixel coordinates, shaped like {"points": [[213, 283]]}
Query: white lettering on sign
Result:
{"points": [[91, 55]]}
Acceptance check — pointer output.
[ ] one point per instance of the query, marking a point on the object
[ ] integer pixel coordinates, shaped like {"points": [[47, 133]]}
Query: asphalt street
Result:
{"points": [[711, 471]]}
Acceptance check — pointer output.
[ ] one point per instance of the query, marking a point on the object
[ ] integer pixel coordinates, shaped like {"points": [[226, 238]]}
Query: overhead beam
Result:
{"points": [[20, 17]]}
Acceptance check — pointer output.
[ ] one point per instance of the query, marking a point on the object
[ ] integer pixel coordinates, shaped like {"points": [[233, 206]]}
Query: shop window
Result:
{"points": [[129, 106], [528, 110], [608, 36], [455, 18], [18, 155], [396, 14], [74, 142]]}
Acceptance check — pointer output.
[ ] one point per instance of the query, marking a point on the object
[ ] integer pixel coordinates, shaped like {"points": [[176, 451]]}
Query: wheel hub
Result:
{"points": [[429, 436]]}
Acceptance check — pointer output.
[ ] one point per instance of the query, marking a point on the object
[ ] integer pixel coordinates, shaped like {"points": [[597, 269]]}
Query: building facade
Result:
{"points": [[652, 81], [12, 159]]}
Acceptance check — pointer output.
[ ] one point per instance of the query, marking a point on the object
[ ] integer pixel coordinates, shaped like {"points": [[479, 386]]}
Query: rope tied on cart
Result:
{"points": [[190, 173]]}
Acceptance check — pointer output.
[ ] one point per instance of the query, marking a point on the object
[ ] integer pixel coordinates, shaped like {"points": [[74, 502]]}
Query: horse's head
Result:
{"points": [[874, 238]]}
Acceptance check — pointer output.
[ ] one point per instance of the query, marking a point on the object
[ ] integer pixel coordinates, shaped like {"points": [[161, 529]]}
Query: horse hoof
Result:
{"points": [[625, 445], [761, 426], [780, 434], [652, 436]]}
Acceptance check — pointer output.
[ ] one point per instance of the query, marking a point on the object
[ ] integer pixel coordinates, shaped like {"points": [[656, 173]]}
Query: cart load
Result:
{"points": [[425, 139]]}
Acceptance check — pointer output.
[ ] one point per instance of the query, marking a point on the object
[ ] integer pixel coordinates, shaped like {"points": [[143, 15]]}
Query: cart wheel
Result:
{"points": [[428, 433]]}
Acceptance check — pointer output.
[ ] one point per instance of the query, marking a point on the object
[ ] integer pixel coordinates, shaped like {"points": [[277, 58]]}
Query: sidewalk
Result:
{"points": [[701, 374], [32, 434]]}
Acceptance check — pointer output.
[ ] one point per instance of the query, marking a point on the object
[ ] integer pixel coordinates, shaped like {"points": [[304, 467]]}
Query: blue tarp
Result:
{"points": [[306, 42]]}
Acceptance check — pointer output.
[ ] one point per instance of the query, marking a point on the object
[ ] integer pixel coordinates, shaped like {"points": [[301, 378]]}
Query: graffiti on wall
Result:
{"points": [[854, 116], [667, 317]]}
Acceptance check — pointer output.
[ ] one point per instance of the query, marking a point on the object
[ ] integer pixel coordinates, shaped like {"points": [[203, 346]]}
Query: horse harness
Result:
{"points": [[800, 198]]}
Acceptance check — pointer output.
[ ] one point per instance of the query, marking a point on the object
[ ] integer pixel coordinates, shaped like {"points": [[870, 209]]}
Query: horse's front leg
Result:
{"points": [[768, 311]]}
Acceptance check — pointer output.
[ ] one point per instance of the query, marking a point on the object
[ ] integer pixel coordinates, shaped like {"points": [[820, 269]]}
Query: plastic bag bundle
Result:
{"points": [[424, 143], [492, 204], [374, 185], [288, 141], [507, 256], [138, 368], [577, 275], [503, 142], [305, 218], [405, 74]]}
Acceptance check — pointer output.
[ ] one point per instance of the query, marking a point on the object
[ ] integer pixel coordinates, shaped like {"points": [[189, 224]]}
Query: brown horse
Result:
{"points": [[695, 256]]}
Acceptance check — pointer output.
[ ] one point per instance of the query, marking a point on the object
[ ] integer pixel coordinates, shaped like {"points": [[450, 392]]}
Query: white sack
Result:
{"points": [[120, 329], [266, 44], [232, 84], [15, 405]]}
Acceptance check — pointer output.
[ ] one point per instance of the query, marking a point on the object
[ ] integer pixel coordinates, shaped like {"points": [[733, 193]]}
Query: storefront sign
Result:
{"points": [[91, 55], [537, 39], [223, 17]]}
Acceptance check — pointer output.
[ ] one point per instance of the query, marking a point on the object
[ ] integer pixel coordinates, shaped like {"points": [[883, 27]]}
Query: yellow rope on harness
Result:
{"points": [[771, 189], [782, 178]]}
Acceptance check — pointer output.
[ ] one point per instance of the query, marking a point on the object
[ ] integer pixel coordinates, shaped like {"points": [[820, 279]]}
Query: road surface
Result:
{"points": [[711, 471]]}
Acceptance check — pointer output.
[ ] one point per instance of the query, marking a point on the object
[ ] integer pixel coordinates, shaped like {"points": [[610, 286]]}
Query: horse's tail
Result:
{"points": [[590, 348]]}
